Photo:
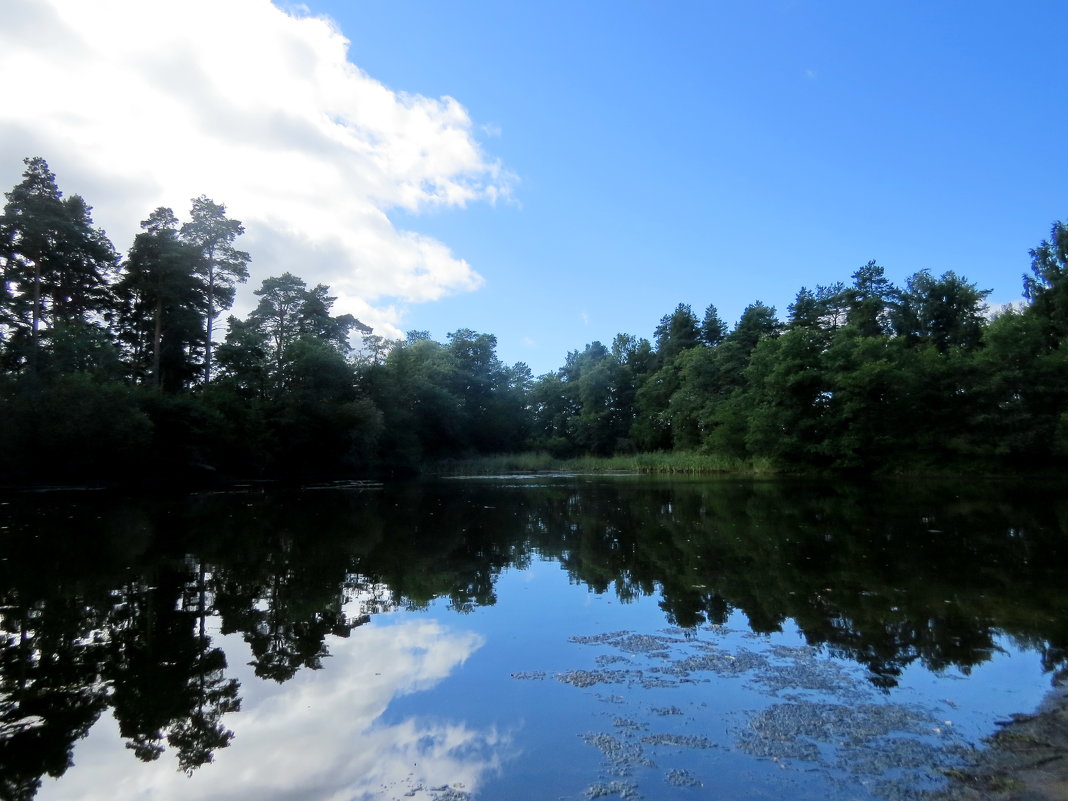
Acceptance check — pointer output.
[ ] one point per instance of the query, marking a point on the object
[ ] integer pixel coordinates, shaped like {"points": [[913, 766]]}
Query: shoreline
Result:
{"points": [[1025, 760]]}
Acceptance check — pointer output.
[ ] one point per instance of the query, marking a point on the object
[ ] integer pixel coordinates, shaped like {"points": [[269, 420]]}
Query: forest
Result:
{"points": [[119, 368]]}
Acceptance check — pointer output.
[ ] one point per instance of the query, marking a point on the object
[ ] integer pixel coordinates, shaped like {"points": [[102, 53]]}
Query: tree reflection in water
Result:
{"points": [[106, 601]]}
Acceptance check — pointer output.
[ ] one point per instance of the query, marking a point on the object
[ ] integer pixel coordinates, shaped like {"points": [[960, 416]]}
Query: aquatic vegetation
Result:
{"points": [[830, 719]]}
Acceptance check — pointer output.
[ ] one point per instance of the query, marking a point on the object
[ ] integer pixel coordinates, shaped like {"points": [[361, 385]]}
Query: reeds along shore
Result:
{"points": [[666, 463]]}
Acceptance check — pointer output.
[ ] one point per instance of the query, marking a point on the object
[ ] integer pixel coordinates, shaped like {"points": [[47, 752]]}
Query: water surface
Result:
{"points": [[522, 638]]}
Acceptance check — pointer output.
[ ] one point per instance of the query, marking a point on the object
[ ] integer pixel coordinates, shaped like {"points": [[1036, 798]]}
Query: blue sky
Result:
{"points": [[629, 156], [723, 152]]}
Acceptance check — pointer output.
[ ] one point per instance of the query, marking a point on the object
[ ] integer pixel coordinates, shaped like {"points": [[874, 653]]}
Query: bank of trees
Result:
{"points": [[120, 365], [860, 375]]}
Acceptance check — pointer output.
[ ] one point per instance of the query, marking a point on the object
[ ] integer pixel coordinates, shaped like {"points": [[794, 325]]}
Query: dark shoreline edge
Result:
{"points": [[1025, 760]]}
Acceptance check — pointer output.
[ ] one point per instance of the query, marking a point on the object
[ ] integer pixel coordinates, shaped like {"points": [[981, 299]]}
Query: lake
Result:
{"points": [[523, 637]]}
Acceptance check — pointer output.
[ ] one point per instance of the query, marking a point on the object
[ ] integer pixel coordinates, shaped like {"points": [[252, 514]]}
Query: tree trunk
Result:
{"points": [[157, 335], [209, 326], [35, 323]]}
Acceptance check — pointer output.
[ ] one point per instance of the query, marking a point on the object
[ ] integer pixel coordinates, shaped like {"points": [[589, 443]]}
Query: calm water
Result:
{"points": [[522, 638]]}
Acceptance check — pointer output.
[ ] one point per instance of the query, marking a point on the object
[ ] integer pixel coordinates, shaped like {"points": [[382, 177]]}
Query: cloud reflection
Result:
{"points": [[317, 736]]}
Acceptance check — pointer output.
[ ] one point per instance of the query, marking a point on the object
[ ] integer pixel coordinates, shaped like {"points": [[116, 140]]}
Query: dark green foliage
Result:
{"points": [[221, 265], [553, 409], [589, 405], [447, 400], [699, 389], [56, 267], [871, 397], [106, 374], [31, 228], [1047, 286], [162, 303], [651, 429], [865, 377], [757, 322], [318, 426], [490, 398], [1024, 396], [805, 311], [287, 312], [73, 428], [677, 332], [870, 301], [824, 309], [790, 397], [242, 359], [947, 312], [79, 346], [80, 288], [636, 354], [713, 329], [422, 417]]}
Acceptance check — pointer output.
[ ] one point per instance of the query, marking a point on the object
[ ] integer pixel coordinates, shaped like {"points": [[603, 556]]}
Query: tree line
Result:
{"points": [[113, 366], [861, 375], [117, 366]]}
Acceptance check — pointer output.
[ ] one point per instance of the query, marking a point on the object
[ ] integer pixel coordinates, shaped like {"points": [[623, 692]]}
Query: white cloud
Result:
{"points": [[142, 103]]}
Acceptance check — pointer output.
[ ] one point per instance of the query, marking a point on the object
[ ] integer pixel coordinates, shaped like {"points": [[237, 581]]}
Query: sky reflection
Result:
{"points": [[316, 736], [611, 637]]}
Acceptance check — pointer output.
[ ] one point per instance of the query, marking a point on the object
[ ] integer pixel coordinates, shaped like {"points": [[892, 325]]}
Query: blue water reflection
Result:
{"points": [[320, 735], [559, 639]]}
